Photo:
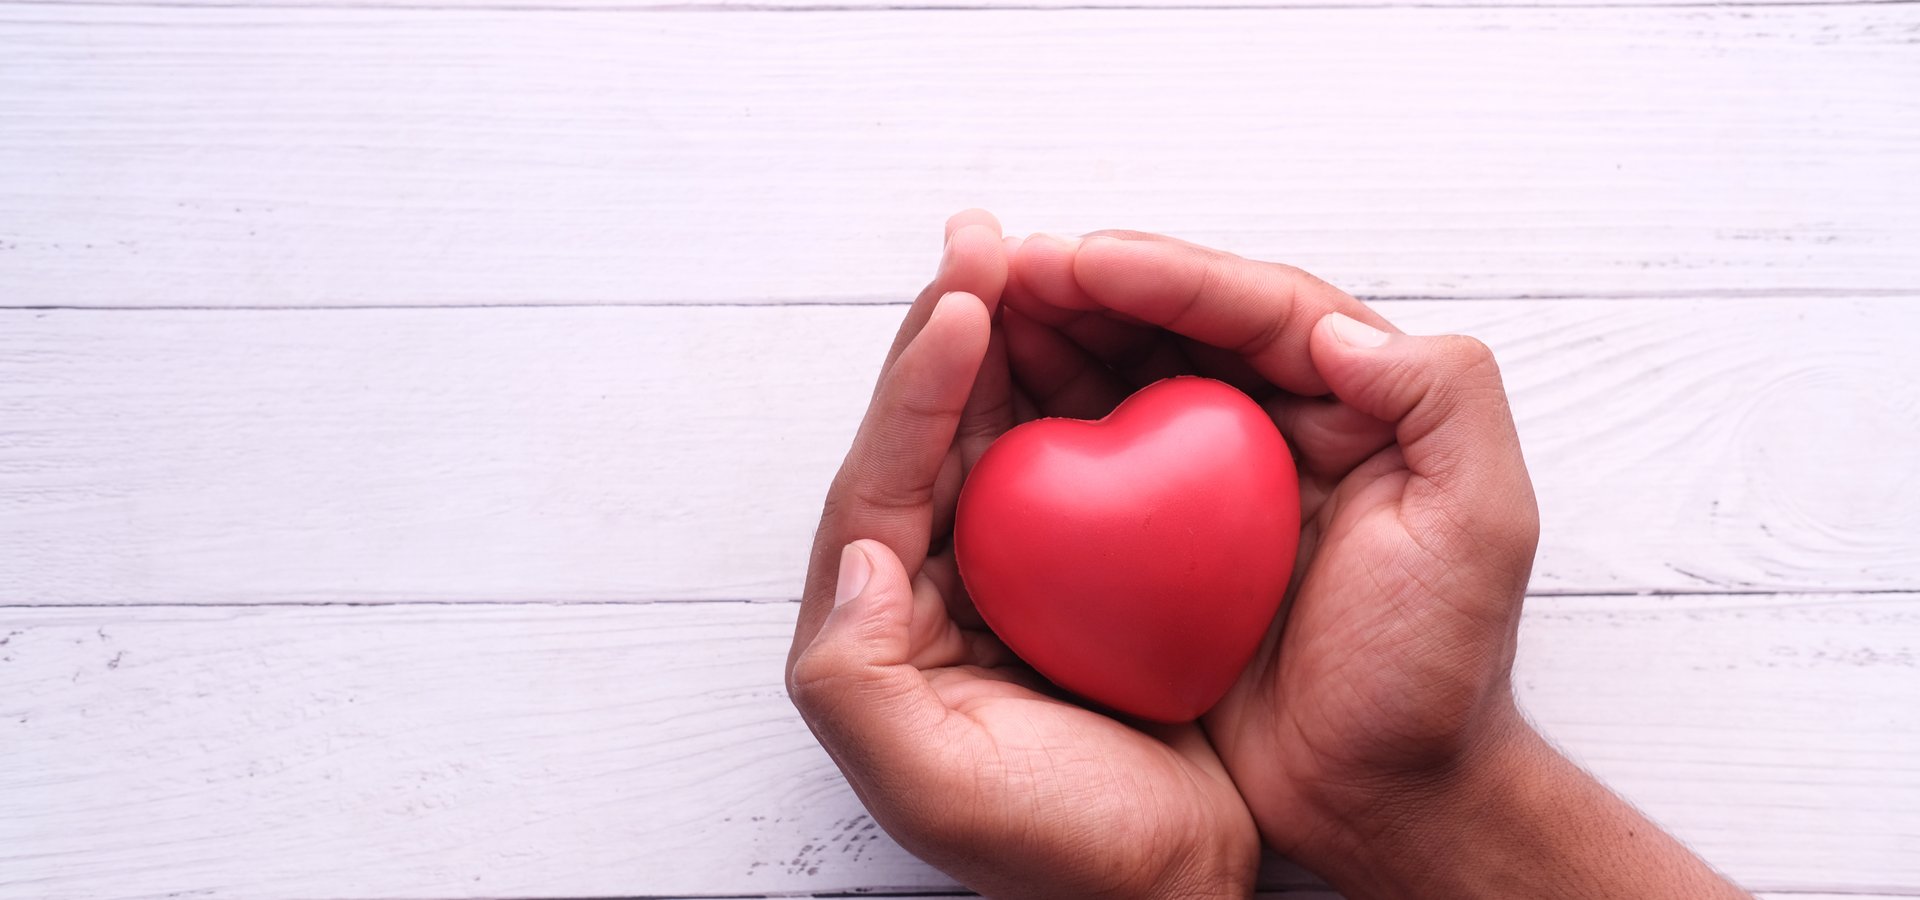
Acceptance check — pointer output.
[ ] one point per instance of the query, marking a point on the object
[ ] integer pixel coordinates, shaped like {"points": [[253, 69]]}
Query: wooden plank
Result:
{"points": [[837, 6], [609, 750], [324, 156], [596, 454]]}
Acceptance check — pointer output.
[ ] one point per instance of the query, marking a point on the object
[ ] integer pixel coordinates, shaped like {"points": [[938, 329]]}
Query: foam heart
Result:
{"points": [[1136, 560]]}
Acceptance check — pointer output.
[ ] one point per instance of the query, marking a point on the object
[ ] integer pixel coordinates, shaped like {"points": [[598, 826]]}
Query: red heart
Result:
{"points": [[1136, 560]]}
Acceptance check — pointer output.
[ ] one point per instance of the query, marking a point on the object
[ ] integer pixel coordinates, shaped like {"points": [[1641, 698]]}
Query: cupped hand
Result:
{"points": [[958, 750], [1386, 674]]}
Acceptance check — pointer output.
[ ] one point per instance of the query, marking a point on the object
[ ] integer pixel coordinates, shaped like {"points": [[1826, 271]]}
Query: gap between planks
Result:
{"points": [[1533, 597], [1683, 295], [723, 6]]}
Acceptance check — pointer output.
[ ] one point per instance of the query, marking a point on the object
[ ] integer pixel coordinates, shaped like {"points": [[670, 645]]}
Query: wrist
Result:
{"points": [[1379, 839], [1513, 819]]}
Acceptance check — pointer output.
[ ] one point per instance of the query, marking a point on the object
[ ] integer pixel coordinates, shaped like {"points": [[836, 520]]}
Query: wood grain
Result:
{"points": [[677, 453], [836, 6], [311, 156], [575, 751]]}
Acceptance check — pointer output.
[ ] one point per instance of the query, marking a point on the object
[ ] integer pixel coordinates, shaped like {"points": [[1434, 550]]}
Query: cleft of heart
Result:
{"points": [[1135, 560]]}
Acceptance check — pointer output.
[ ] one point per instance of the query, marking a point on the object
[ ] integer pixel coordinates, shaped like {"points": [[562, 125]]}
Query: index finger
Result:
{"points": [[972, 259], [885, 488], [1262, 311]]}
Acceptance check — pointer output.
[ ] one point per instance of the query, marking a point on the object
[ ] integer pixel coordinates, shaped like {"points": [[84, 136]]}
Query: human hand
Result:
{"points": [[958, 750], [1374, 735]]}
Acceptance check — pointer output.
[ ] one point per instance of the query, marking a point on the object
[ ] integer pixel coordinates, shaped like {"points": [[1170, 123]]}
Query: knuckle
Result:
{"points": [[839, 670], [809, 680], [1470, 355], [1464, 375], [1293, 274], [1269, 333], [822, 683], [833, 511], [859, 492], [871, 497], [1206, 281], [914, 408]]}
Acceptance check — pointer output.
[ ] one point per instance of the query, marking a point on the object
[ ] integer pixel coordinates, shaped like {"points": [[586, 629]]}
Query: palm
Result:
{"points": [[1327, 679], [1393, 639], [1383, 685], [1357, 668], [1365, 658], [957, 748], [1317, 701], [1120, 805], [1329, 694], [1109, 807]]}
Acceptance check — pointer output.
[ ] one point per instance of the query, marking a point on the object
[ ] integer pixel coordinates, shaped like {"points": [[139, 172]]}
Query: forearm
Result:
{"points": [[1522, 822]]}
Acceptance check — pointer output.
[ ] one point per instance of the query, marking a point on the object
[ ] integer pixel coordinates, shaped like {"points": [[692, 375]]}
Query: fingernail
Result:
{"points": [[854, 572], [1069, 242], [1355, 333]]}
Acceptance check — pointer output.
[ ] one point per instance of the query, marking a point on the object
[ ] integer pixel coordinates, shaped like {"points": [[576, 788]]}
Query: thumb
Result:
{"points": [[1445, 399], [854, 683]]}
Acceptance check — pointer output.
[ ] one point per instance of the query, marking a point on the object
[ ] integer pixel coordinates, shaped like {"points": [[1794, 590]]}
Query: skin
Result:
{"points": [[1373, 739], [961, 753]]}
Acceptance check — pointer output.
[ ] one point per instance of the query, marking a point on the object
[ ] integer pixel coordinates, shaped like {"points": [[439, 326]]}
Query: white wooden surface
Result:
{"points": [[340, 156], [647, 453], [412, 415], [609, 750]]}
